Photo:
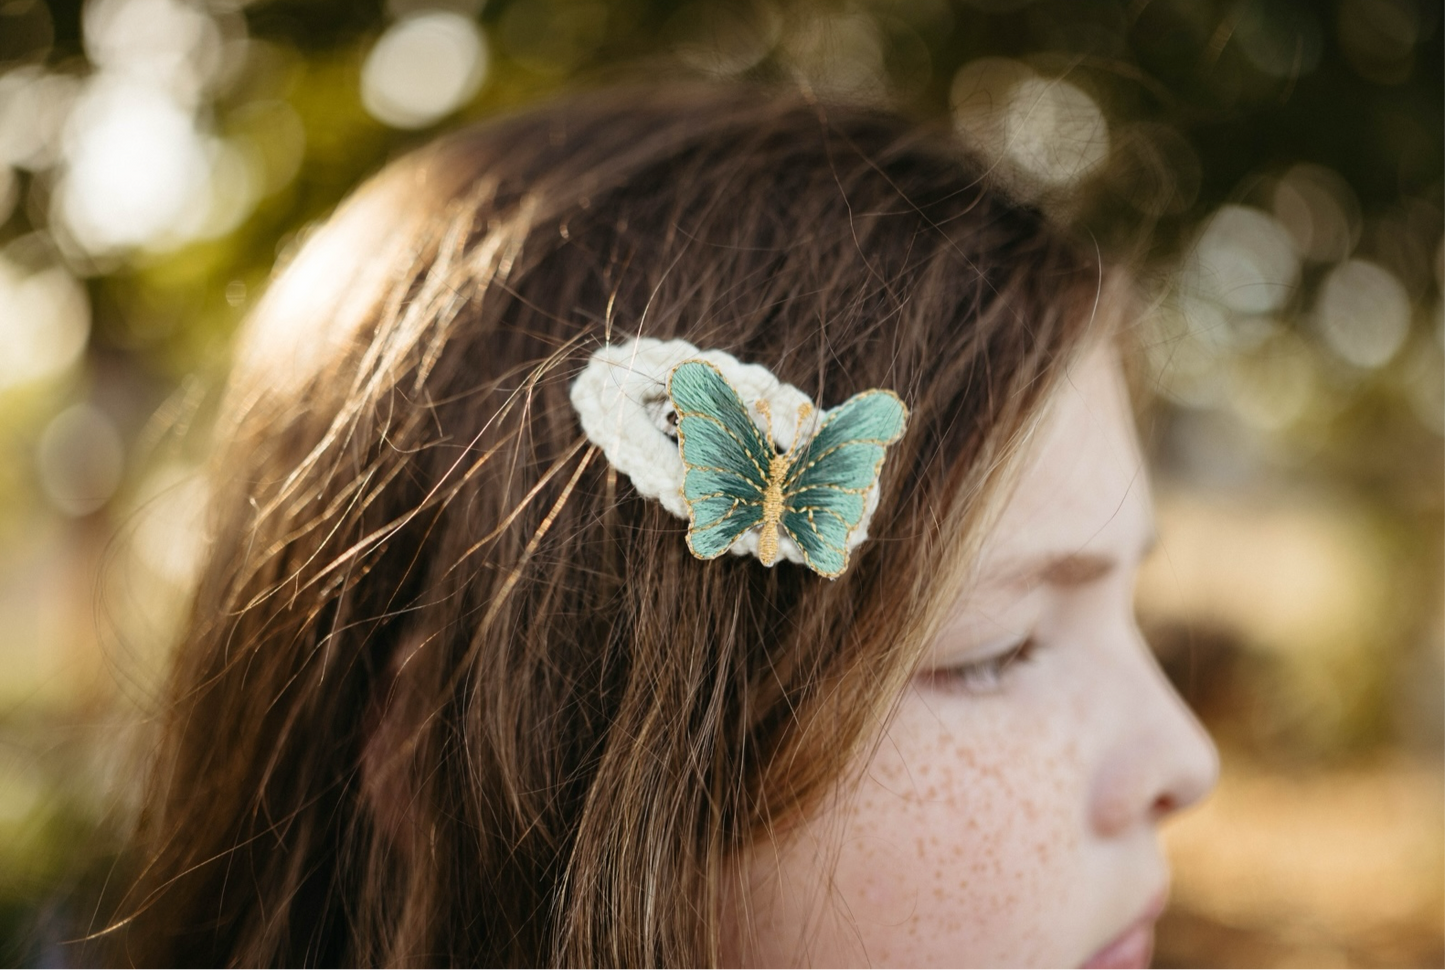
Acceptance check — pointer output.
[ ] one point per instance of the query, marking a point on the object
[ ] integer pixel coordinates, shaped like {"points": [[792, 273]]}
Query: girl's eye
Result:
{"points": [[987, 675]]}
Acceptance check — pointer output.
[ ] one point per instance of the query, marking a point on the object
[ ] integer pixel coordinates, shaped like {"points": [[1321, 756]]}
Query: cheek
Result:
{"points": [[962, 844]]}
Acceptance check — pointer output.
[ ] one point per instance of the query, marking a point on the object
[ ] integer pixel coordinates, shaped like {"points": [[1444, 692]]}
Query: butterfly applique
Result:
{"points": [[737, 479]]}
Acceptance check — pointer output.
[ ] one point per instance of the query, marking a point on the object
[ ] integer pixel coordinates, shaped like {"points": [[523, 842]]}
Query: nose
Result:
{"points": [[1162, 760]]}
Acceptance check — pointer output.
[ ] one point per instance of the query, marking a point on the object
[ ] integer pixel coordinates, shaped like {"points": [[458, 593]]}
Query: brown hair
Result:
{"points": [[450, 692]]}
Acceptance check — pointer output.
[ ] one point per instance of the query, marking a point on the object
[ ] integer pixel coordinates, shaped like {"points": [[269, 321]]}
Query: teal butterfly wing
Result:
{"points": [[825, 493], [725, 456]]}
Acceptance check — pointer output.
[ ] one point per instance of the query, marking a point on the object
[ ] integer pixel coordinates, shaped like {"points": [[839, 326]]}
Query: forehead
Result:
{"points": [[1083, 487]]}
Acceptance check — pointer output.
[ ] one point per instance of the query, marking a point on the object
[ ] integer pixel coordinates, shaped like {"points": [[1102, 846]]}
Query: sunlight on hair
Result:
{"points": [[1363, 312], [423, 68], [44, 323], [1245, 259]]}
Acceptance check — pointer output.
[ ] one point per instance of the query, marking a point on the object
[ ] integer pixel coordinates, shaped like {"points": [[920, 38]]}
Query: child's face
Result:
{"points": [[1008, 815]]}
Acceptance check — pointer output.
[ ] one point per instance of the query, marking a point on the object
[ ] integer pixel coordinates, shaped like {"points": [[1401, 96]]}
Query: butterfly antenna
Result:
{"points": [[767, 412], [804, 413]]}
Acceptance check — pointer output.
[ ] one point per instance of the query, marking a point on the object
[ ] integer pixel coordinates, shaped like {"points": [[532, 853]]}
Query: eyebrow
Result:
{"points": [[1068, 570]]}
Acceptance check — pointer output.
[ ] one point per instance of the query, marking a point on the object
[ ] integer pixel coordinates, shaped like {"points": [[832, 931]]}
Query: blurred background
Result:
{"points": [[1273, 168]]}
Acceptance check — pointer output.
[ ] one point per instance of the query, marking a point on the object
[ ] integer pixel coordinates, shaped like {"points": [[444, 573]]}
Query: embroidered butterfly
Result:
{"points": [[737, 479]]}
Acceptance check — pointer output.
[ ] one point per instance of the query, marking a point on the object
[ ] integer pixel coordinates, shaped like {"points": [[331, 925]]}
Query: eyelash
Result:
{"points": [[985, 676]]}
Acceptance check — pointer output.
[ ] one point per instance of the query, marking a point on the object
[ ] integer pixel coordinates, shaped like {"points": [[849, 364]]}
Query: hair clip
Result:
{"points": [[749, 461]]}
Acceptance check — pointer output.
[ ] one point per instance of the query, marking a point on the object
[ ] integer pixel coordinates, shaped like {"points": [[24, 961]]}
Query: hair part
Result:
{"points": [[450, 692]]}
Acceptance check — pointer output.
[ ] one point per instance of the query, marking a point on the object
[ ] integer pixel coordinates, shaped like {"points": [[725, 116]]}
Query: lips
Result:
{"points": [[1134, 946]]}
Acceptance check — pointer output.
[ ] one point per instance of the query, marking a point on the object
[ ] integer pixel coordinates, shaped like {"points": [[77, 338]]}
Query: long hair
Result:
{"points": [[450, 692]]}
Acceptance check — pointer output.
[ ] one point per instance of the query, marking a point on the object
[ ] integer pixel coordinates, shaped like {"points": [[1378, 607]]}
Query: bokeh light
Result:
{"points": [[1273, 385], [839, 55], [1054, 132], [172, 44], [981, 96], [423, 68], [44, 322], [723, 40], [134, 166], [1280, 39], [1246, 260], [1044, 132], [170, 531], [1378, 36], [1320, 212], [1185, 352], [34, 104], [80, 458], [1363, 313]]}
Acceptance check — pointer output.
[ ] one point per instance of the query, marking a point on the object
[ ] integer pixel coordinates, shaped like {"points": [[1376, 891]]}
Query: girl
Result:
{"points": [[461, 687]]}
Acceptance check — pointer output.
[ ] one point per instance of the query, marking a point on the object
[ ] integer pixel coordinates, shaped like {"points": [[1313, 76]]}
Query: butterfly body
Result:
{"points": [[815, 493], [779, 464]]}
